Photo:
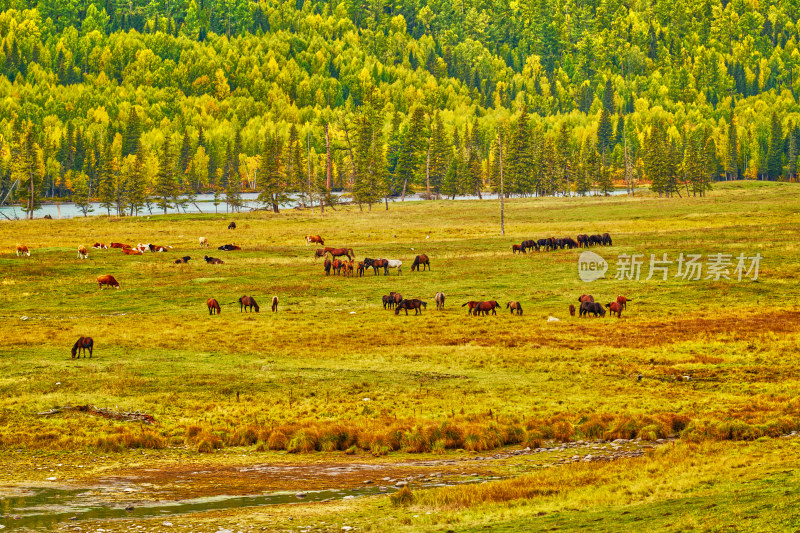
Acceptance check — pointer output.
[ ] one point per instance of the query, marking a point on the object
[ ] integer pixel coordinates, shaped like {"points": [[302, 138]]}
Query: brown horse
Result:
{"points": [[327, 267], [571, 310], [421, 260], [439, 299], [213, 307], [348, 268], [514, 306], [360, 269], [315, 239], [337, 265], [108, 280], [23, 250], [615, 308], [397, 297], [232, 225], [274, 304], [485, 307], [338, 252], [376, 264], [320, 252], [586, 298], [83, 343], [247, 302], [388, 302], [415, 304], [517, 248], [623, 301], [472, 305]]}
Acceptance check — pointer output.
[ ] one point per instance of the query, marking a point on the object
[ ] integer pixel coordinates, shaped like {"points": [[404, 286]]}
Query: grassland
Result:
{"points": [[332, 371]]}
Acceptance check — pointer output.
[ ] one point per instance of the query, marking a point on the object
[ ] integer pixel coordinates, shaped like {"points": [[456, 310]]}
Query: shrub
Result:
{"points": [[276, 441], [403, 497], [303, 441]]}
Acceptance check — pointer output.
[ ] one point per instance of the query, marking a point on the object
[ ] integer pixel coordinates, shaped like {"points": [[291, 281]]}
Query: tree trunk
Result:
{"points": [[405, 182]]}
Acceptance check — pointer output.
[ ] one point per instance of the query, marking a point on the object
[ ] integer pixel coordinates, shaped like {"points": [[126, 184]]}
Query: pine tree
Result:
{"points": [[438, 154], [81, 195], [106, 192], [133, 133], [408, 160], [271, 175], [186, 153], [165, 185], [27, 168], [137, 188], [775, 154]]}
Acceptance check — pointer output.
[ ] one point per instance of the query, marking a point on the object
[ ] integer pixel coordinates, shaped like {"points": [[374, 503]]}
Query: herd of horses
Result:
{"points": [[339, 266], [553, 243], [589, 307]]}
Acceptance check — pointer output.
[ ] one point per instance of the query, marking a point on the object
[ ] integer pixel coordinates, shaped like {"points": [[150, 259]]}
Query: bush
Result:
{"points": [[403, 497]]}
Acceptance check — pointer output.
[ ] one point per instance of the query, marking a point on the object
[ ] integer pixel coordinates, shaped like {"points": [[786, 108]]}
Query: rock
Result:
{"points": [[575, 457], [401, 484], [553, 319], [129, 508], [52, 478], [224, 531], [347, 528], [129, 490], [368, 482], [166, 524], [301, 495]]}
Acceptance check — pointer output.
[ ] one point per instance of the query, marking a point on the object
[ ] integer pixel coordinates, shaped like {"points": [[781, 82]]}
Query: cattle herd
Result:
{"points": [[336, 265]]}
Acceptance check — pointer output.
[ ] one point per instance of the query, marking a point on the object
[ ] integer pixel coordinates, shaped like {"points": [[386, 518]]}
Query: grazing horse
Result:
{"points": [[606, 239], [213, 307], [472, 305], [348, 268], [247, 302], [397, 297], [338, 252], [23, 250], [83, 343], [596, 239], [100, 245], [583, 240], [131, 251], [415, 304], [514, 306], [327, 267], [320, 252], [203, 242], [182, 260], [422, 260], [517, 248], [82, 253], [274, 304], [571, 310], [570, 243], [336, 265], [485, 307], [108, 280], [388, 302], [376, 264], [586, 298], [232, 225], [213, 260], [623, 301], [591, 307], [529, 244], [439, 299], [360, 269], [615, 308], [316, 239], [393, 263]]}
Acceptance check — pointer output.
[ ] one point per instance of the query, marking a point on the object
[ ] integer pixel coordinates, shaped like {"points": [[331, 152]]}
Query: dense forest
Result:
{"points": [[136, 101]]}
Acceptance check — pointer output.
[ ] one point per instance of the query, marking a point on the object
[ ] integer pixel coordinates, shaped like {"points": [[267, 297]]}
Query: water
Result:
{"points": [[44, 508], [204, 201]]}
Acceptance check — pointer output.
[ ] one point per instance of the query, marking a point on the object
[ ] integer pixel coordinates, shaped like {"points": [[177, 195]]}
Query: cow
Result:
{"points": [[315, 239], [182, 260], [131, 251], [82, 253], [107, 280], [203, 242], [100, 246], [23, 250], [213, 260]]}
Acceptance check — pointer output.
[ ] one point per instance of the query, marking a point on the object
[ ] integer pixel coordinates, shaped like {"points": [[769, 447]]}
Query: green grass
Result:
{"points": [[306, 371]]}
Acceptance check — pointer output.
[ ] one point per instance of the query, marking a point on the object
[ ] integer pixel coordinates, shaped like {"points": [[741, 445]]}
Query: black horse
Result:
{"points": [[414, 304]]}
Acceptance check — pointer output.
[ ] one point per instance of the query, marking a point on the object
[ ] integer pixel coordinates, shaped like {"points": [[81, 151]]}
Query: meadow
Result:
{"points": [[333, 377]]}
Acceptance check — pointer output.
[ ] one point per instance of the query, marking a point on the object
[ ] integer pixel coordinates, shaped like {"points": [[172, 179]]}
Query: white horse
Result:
{"points": [[395, 263]]}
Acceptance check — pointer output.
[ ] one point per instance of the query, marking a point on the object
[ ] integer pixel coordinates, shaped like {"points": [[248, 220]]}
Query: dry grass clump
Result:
{"points": [[124, 438]]}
